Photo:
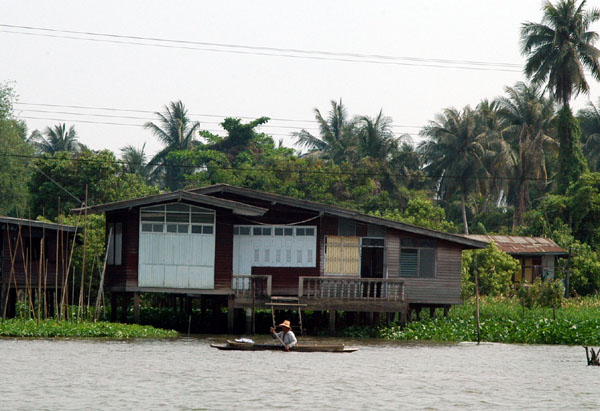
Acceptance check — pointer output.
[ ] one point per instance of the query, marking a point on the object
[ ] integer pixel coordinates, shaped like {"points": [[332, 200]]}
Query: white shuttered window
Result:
{"points": [[273, 246]]}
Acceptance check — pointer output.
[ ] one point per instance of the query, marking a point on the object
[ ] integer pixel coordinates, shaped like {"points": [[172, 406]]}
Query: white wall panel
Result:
{"points": [[176, 260]]}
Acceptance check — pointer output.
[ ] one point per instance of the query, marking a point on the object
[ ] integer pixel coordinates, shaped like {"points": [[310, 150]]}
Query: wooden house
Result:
{"points": [[253, 249], [537, 255], [33, 259]]}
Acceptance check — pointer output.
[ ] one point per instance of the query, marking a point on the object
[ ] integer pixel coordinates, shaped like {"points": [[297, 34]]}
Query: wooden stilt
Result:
{"points": [[3, 298], [136, 307], [215, 308], [230, 314], [403, 317], [50, 298], [446, 310], [332, 322], [124, 304], [188, 305], [431, 312], [248, 320], [113, 307]]}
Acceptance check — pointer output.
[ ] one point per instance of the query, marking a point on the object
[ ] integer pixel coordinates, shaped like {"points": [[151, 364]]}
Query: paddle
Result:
{"points": [[279, 338]]}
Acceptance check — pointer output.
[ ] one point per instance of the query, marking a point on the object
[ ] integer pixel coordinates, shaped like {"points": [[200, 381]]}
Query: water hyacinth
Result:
{"points": [[83, 329], [504, 320]]}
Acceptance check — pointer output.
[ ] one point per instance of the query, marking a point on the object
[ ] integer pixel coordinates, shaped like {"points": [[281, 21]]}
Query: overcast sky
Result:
{"points": [[431, 56]]}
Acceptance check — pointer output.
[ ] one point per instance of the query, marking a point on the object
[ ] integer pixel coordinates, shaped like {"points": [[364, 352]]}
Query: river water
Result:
{"points": [[188, 374]]}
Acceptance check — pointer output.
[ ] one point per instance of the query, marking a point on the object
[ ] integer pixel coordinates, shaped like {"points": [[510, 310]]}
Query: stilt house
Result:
{"points": [[248, 247], [33, 259]]}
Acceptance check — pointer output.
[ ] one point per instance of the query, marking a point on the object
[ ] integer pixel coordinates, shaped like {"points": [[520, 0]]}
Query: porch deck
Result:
{"points": [[324, 293]]}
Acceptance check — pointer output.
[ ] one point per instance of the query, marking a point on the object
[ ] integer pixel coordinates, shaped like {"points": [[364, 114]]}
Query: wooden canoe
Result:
{"points": [[240, 346]]}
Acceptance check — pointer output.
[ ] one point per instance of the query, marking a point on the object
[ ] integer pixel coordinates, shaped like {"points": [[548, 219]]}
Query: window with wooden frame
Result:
{"points": [[418, 258], [115, 243]]}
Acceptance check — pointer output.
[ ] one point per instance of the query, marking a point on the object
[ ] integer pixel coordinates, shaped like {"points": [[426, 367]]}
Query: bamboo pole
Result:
{"points": [[39, 296], [100, 296], [68, 270], [477, 299], [82, 287], [57, 262], [87, 310], [12, 276]]}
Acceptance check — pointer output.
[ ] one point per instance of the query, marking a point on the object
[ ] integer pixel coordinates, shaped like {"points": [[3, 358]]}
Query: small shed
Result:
{"points": [[537, 254], [33, 258]]}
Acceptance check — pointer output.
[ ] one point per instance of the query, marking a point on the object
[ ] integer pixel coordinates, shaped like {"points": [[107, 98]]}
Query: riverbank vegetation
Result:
{"points": [[503, 320], [51, 328]]}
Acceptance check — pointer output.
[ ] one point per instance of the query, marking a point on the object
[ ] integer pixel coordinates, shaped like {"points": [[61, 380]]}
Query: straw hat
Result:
{"points": [[286, 324]]}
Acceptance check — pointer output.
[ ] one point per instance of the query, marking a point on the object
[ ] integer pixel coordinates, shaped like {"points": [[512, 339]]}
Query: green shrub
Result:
{"points": [[495, 271]]}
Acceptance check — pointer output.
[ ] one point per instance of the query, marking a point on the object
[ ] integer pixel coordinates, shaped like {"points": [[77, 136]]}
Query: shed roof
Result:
{"points": [[236, 207], [36, 224], [518, 245], [340, 212]]}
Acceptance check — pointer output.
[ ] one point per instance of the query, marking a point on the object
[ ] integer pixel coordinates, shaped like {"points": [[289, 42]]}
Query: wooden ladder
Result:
{"points": [[286, 303]]}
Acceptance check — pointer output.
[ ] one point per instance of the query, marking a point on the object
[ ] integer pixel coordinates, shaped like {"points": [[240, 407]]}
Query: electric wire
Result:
{"points": [[265, 51], [276, 170], [190, 114]]}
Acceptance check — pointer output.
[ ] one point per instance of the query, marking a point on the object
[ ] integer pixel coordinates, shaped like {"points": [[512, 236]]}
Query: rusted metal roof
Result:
{"points": [[521, 245]]}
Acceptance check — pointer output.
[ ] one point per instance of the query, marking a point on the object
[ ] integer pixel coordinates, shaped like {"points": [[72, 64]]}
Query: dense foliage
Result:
{"points": [[505, 321]]}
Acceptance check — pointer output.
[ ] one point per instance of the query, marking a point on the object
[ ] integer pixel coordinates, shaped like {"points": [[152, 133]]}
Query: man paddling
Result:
{"points": [[286, 336]]}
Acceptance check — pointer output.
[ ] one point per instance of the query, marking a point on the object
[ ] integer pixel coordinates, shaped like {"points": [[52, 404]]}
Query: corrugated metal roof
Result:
{"points": [[521, 245], [340, 212], [37, 224], [236, 207]]}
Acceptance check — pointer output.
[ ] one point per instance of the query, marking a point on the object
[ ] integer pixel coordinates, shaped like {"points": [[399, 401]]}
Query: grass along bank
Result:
{"points": [[84, 329], [502, 320]]}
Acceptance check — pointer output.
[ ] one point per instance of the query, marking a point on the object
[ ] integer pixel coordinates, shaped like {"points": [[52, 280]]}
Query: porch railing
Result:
{"points": [[351, 288], [246, 285]]}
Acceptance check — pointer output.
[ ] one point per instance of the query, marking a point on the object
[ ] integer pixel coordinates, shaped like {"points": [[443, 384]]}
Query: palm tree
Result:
{"points": [[499, 160], [376, 138], [177, 132], [337, 139], [589, 119], [407, 164], [455, 154], [558, 51], [135, 161], [56, 139], [528, 119]]}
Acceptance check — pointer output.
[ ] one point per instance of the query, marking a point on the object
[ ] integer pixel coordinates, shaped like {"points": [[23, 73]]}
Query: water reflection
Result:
{"points": [[188, 374]]}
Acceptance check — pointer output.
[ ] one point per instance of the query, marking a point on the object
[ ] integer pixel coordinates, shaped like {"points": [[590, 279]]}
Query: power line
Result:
{"points": [[151, 119], [292, 50], [277, 170], [191, 114], [267, 51]]}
